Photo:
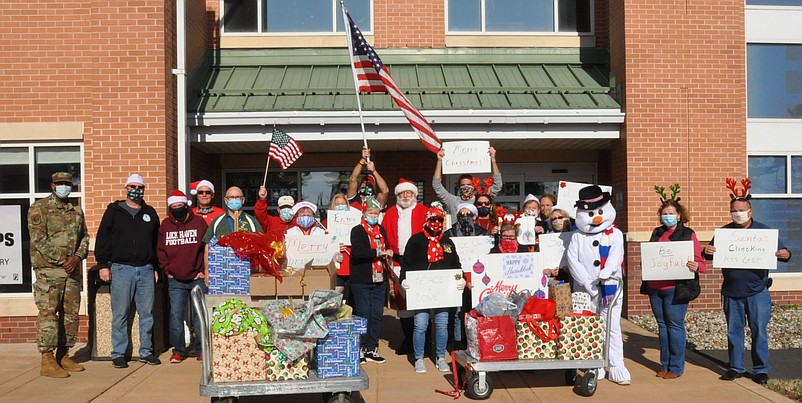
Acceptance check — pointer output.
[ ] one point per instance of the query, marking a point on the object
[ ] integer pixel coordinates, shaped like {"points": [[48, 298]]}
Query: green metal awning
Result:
{"points": [[275, 80]]}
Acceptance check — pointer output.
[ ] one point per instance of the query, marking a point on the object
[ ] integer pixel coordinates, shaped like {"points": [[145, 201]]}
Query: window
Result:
{"points": [[774, 3], [777, 199], [25, 172], [774, 80], [498, 16], [287, 16]]}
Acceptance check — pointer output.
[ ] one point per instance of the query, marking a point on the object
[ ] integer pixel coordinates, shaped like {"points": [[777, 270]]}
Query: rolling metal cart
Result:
{"points": [[479, 386], [333, 389]]}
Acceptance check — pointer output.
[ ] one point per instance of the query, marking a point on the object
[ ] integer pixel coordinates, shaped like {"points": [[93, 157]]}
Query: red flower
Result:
{"points": [[563, 184]]}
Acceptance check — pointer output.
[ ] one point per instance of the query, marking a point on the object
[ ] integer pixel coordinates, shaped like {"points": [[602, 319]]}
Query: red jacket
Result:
{"points": [[180, 246], [270, 222], [390, 223]]}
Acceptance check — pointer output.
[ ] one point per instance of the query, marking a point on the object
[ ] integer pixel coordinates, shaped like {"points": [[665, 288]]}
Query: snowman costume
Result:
{"points": [[595, 258]]}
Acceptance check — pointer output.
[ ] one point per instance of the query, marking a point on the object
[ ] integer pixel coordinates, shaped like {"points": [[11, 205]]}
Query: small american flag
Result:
{"points": [[373, 76], [284, 149]]}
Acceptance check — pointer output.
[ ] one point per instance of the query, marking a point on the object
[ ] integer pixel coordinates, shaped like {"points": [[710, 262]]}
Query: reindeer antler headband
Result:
{"points": [[660, 190], [482, 186], [732, 185]]}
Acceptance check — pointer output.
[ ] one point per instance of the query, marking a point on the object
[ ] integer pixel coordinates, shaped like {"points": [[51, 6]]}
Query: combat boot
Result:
{"points": [[63, 357], [50, 367]]}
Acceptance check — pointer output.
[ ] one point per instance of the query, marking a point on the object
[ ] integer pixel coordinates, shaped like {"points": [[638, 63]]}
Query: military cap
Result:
{"points": [[62, 177]]}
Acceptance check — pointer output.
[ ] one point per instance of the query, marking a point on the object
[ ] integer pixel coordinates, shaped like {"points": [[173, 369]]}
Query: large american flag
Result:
{"points": [[284, 149], [373, 76]]}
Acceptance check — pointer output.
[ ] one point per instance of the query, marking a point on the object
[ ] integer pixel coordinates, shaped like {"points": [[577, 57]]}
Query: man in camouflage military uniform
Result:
{"points": [[59, 242]]}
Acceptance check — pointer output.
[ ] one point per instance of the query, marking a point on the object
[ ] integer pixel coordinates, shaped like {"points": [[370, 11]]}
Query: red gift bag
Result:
{"points": [[540, 308], [491, 338]]}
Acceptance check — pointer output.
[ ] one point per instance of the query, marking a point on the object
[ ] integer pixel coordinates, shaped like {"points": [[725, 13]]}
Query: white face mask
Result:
{"points": [[740, 217]]}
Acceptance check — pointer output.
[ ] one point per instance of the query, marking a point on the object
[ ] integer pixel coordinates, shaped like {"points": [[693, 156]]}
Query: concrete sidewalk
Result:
{"points": [[393, 381]]}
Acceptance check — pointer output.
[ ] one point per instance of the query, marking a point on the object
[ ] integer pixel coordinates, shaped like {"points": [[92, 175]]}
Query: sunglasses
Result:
{"points": [[508, 237], [483, 204], [557, 218], [205, 192], [132, 187], [436, 219]]}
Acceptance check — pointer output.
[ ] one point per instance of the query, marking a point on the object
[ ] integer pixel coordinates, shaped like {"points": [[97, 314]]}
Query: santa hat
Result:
{"points": [[177, 196], [404, 185], [530, 197], [193, 187], [468, 206]]}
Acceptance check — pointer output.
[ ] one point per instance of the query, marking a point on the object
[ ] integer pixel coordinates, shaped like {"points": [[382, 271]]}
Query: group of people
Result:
{"points": [[134, 247]]}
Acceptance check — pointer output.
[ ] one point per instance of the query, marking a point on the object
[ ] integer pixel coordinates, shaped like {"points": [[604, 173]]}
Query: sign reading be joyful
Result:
{"points": [[746, 248], [666, 260]]}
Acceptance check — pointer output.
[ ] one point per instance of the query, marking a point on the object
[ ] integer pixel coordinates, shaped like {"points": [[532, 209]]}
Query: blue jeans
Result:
{"points": [[670, 317], [757, 311], [131, 283], [179, 294], [440, 331], [369, 304]]}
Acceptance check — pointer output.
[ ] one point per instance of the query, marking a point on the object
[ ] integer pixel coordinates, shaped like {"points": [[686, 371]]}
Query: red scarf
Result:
{"points": [[376, 242], [508, 246], [434, 251]]}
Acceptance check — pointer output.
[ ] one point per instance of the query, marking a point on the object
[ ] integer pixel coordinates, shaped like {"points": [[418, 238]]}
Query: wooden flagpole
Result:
{"points": [[264, 181], [347, 27]]}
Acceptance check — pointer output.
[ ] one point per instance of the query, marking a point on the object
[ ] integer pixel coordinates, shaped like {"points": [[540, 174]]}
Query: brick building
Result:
{"points": [[625, 93]]}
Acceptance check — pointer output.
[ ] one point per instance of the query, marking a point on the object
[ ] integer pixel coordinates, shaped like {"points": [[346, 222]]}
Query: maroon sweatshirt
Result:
{"points": [[180, 246]]}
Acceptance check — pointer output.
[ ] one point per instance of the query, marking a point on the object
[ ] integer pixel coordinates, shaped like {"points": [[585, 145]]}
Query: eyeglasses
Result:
{"points": [[406, 193], [557, 218], [437, 219], [205, 192], [483, 204], [508, 237], [236, 197], [132, 187]]}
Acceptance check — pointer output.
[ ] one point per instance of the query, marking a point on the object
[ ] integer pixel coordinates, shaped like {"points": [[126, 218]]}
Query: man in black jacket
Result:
{"points": [[125, 249]]}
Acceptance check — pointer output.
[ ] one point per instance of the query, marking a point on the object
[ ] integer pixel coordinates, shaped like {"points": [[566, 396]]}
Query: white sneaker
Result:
{"points": [[420, 367], [441, 365]]}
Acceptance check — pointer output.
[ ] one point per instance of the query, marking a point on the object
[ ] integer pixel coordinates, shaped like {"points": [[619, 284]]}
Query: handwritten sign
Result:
{"points": [[552, 248], [568, 194], [471, 248], [466, 157], [666, 260], [10, 245], [433, 289], [300, 249], [526, 230], [746, 248], [507, 273], [340, 224]]}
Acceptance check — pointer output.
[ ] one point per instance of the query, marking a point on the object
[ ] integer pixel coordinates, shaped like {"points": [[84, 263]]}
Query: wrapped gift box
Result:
{"points": [[228, 272], [338, 353], [238, 358], [560, 292], [279, 368], [530, 346], [581, 337]]}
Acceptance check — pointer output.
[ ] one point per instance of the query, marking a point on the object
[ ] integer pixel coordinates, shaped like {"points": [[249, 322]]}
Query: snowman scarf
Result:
{"points": [[607, 291]]}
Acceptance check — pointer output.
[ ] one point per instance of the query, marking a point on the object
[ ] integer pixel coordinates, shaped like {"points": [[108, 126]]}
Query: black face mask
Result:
{"points": [[180, 213], [465, 222], [483, 211]]}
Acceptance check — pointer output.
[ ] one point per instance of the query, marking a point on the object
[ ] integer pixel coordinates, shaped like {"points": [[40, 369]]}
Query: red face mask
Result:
{"points": [[509, 245], [434, 227]]}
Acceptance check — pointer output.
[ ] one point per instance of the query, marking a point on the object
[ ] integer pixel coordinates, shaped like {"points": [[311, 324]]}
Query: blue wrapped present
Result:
{"points": [[228, 273], [338, 353]]}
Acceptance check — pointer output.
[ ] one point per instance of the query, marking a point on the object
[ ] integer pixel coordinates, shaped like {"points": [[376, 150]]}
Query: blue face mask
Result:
{"points": [[669, 220], [285, 214], [63, 191], [305, 221], [341, 207], [234, 204], [372, 220]]}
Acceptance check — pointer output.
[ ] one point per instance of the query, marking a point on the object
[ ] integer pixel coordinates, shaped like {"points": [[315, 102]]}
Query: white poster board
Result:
{"points": [[300, 249], [471, 248], [340, 224], [507, 273], [553, 247], [568, 194], [433, 289], [10, 245], [526, 230], [746, 248], [466, 157], [666, 260]]}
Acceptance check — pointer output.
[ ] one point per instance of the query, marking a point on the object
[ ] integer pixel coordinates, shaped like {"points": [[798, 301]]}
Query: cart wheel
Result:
{"points": [[230, 399], [340, 397], [476, 391], [570, 377], [587, 385]]}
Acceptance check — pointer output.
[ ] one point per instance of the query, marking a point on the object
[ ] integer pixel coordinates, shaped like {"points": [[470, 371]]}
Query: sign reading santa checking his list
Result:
{"points": [[746, 248], [507, 273]]}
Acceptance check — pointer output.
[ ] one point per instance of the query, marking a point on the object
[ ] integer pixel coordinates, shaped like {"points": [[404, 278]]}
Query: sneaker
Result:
{"points": [[420, 367], [119, 362], [176, 358], [441, 365], [150, 360], [362, 359], [373, 356]]}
